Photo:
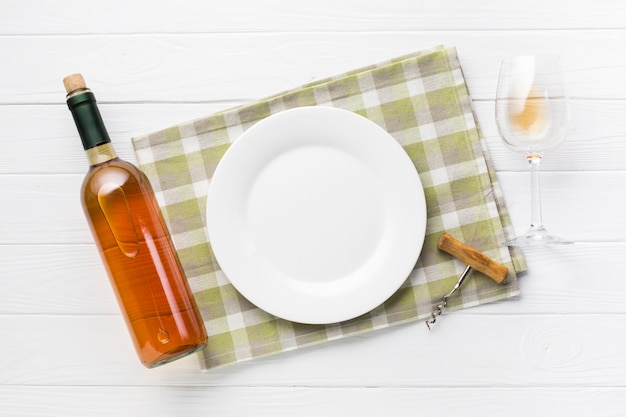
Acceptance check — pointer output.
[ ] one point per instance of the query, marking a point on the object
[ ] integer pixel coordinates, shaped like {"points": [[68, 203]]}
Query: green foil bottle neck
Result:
{"points": [[82, 104]]}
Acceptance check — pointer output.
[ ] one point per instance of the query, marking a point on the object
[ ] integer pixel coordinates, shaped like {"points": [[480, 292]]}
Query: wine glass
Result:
{"points": [[532, 116]]}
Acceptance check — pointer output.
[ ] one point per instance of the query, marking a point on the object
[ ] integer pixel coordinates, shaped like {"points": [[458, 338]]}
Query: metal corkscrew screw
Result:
{"points": [[474, 260]]}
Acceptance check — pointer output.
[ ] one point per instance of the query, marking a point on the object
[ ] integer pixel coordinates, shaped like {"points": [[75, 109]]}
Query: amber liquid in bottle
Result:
{"points": [[137, 251]]}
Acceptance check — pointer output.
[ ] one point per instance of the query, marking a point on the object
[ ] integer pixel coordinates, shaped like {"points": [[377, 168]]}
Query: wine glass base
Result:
{"points": [[537, 237]]}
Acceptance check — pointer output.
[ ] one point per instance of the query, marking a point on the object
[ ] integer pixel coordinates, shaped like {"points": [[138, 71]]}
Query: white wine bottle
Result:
{"points": [[134, 243]]}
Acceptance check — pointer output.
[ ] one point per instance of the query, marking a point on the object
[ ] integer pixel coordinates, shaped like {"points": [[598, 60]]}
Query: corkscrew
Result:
{"points": [[474, 260]]}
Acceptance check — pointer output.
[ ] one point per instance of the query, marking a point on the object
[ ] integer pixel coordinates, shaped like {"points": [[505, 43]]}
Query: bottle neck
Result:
{"points": [[93, 133], [100, 154]]}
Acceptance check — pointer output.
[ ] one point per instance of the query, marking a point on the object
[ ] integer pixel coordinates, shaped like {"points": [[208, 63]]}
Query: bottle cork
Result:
{"points": [[74, 82]]}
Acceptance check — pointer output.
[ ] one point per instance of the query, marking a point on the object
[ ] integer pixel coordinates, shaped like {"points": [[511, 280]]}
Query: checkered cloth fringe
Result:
{"points": [[423, 102]]}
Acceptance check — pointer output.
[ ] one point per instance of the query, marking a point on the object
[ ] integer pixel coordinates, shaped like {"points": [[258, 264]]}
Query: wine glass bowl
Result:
{"points": [[532, 116]]}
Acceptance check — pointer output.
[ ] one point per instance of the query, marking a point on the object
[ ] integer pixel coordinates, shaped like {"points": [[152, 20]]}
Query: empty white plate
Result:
{"points": [[316, 215]]}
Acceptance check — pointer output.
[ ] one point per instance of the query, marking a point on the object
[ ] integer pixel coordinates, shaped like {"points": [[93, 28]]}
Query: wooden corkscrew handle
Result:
{"points": [[473, 258]]}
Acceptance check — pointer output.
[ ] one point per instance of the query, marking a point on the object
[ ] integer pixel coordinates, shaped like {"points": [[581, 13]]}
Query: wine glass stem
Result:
{"points": [[536, 221]]}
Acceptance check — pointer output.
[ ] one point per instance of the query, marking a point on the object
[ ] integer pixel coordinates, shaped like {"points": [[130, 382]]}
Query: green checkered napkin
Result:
{"points": [[423, 102]]}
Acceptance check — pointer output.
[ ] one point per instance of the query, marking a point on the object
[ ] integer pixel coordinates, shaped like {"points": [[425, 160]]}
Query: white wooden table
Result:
{"points": [[557, 350]]}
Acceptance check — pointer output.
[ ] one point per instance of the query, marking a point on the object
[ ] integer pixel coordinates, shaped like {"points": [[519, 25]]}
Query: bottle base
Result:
{"points": [[174, 355]]}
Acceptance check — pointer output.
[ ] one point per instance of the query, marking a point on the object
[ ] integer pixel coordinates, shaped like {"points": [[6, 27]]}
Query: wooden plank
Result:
{"points": [[78, 401], [49, 209], [51, 144], [241, 67], [70, 280], [54, 279], [553, 350], [195, 16], [480, 401]]}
